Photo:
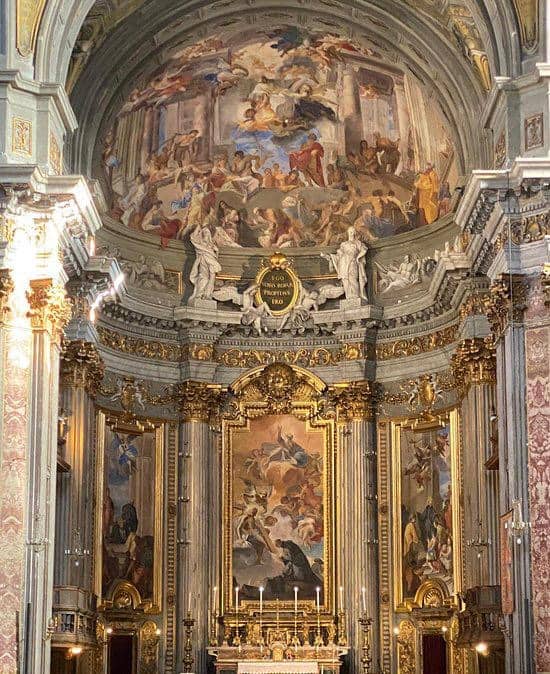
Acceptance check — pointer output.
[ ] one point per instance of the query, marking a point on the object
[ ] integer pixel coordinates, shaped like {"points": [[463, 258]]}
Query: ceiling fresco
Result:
{"points": [[283, 138]]}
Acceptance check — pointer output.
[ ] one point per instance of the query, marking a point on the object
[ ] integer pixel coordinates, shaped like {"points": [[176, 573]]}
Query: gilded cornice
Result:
{"points": [[49, 307], [303, 357], [6, 288], [81, 366], [474, 362], [415, 345], [197, 400], [506, 302]]}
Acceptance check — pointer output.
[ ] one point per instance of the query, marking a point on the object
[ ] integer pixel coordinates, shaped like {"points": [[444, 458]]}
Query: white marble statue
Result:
{"points": [[349, 265], [412, 271], [251, 313], [206, 265]]}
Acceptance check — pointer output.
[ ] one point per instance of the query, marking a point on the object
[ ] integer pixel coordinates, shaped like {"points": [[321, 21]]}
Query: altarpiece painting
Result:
{"points": [[129, 530], [426, 502], [278, 471]]}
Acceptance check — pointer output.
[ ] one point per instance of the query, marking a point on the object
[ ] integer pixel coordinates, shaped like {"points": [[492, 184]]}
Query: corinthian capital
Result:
{"points": [[81, 366], [6, 286], [198, 401], [474, 361], [354, 400], [49, 308]]}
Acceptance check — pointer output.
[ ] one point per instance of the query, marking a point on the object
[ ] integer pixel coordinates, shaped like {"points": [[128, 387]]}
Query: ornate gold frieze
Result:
{"points": [[54, 155], [139, 347], [410, 347], [49, 307], [474, 362], [506, 302], [354, 400], [6, 288], [81, 365], [198, 401], [304, 357]]}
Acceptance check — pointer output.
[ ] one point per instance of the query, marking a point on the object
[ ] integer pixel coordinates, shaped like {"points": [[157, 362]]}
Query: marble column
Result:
{"points": [[474, 367], [356, 497], [505, 313], [199, 517], [81, 374]]}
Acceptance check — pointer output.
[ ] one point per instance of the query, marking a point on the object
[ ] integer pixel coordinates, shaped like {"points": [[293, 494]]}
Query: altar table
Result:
{"points": [[277, 667]]}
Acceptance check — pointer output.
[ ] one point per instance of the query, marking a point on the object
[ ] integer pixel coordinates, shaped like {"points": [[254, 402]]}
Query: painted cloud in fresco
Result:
{"points": [[283, 139]]}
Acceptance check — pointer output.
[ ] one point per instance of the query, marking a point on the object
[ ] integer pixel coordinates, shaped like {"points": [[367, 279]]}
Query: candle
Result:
{"points": [[296, 600], [318, 590], [214, 600], [341, 598], [237, 598], [261, 600], [364, 597], [189, 603]]}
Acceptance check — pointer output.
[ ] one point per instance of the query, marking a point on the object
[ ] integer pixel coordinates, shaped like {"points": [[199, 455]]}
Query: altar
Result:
{"points": [[268, 660]]}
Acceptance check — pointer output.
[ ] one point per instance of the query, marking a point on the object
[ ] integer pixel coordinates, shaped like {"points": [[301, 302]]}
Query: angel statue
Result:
{"points": [[251, 314], [349, 265], [206, 265]]}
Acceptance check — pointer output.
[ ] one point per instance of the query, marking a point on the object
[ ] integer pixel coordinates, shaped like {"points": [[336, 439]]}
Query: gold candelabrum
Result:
{"points": [[188, 622], [366, 659], [342, 633]]}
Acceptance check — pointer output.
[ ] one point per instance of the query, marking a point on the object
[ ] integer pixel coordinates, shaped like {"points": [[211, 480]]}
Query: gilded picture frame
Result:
{"points": [[125, 587], [432, 592], [253, 409]]}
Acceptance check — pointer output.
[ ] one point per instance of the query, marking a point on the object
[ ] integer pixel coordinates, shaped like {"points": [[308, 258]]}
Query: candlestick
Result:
{"points": [[188, 645], [366, 659], [277, 603]]}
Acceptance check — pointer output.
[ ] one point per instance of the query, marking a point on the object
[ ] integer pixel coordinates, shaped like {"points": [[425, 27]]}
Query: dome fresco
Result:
{"points": [[278, 139]]}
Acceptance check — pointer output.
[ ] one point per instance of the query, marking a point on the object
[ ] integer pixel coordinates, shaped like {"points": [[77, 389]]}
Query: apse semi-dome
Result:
{"points": [[279, 137]]}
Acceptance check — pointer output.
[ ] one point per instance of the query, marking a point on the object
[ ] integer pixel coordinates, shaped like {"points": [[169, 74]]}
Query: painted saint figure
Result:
{"points": [[308, 160]]}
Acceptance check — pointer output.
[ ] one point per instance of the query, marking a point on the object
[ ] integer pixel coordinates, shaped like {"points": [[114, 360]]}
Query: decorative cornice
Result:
{"points": [[506, 302], [530, 228], [82, 366], [49, 307], [304, 357], [198, 401], [474, 362], [137, 346]]}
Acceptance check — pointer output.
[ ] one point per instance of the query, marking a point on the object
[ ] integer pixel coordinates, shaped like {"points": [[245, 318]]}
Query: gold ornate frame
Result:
{"points": [[450, 417], [279, 389], [153, 605]]}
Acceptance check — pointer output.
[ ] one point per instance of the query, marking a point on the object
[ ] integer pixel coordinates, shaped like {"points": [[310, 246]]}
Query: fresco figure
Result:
{"points": [[427, 187]]}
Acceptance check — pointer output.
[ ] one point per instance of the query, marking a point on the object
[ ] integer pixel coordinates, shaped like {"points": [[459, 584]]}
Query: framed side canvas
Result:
{"points": [[128, 534], [426, 501]]}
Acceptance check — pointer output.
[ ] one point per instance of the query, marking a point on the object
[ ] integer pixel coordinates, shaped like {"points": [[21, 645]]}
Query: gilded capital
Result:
{"points": [[473, 305], [474, 361], [6, 287], [49, 307], [506, 302], [353, 401], [198, 401], [81, 366]]}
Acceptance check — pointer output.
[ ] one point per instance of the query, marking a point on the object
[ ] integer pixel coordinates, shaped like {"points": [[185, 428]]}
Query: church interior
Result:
{"points": [[274, 336]]}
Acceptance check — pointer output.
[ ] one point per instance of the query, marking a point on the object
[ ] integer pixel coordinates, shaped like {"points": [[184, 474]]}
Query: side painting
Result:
{"points": [[278, 501], [426, 503], [281, 138], [130, 515]]}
